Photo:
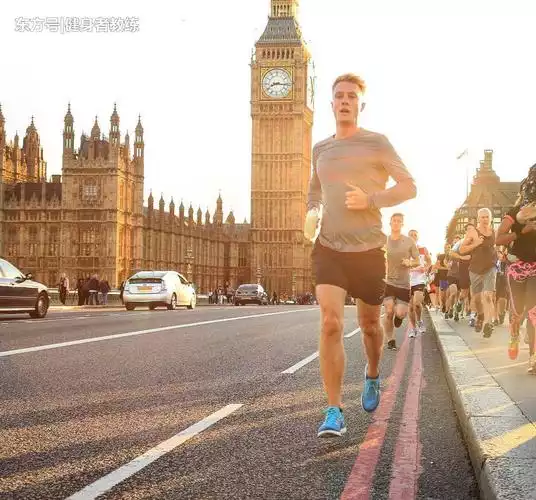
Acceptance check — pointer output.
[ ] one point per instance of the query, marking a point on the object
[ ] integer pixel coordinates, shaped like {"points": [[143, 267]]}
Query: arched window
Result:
{"points": [[32, 242], [12, 242], [88, 238], [54, 242]]}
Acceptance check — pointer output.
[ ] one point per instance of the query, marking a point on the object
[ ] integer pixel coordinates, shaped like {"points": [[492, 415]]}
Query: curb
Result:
{"points": [[501, 441]]}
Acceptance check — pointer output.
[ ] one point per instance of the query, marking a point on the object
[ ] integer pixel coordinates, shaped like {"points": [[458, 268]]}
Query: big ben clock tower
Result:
{"points": [[282, 95]]}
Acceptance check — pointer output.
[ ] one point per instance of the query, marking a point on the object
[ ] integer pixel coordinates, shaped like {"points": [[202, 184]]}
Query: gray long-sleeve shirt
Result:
{"points": [[366, 159]]}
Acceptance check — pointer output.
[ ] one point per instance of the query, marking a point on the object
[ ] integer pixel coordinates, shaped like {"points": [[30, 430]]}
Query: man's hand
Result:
{"points": [[526, 213], [478, 240], [406, 262], [529, 227], [311, 224], [356, 199]]}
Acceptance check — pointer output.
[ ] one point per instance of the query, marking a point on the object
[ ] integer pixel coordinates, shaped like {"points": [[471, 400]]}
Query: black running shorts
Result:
{"points": [[397, 293], [417, 288], [452, 280], [361, 274]]}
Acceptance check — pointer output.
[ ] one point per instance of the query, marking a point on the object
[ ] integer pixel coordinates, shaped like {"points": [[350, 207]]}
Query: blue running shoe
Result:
{"points": [[333, 424], [370, 397]]}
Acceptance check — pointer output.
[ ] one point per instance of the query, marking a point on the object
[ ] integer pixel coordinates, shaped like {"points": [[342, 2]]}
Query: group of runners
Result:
{"points": [[351, 255]]}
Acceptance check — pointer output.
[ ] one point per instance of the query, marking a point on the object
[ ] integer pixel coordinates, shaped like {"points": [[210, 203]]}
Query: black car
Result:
{"points": [[250, 294], [19, 293]]}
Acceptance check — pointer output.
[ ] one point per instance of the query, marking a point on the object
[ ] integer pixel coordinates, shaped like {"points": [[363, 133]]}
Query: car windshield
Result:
{"points": [[9, 270], [248, 288]]}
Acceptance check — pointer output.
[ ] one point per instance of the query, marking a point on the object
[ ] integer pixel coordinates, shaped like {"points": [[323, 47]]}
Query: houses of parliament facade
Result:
{"points": [[92, 218]]}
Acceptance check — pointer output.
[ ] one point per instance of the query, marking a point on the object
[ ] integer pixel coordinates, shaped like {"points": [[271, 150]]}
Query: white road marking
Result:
{"points": [[303, 362], [143, 332], [107, 482], [312, 357], [352, 333]]}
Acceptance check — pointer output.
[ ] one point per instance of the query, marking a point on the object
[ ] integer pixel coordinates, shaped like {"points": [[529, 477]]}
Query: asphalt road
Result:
{"points": [[121, 410]]}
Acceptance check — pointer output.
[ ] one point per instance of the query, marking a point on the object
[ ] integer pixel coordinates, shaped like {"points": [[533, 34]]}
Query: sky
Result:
{"points": [[443, 76]]}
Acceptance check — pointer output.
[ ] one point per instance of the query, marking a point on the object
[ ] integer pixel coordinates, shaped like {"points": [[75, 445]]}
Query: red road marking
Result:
{"points": [[360, 478], [407, 462]]}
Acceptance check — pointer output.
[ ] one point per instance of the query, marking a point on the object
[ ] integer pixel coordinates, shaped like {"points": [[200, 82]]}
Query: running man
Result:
{"points": [[402, 254], [518, 231], [463, 282], [479, 242], [349, 180], [418, 282], [452, 279]]}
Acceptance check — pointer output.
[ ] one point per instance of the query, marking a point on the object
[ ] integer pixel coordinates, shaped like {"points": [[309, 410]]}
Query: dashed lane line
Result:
{"points": [[312, 357], [117, 476], [47, 347]]}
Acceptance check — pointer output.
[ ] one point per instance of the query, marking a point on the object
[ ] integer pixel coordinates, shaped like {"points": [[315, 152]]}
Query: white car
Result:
{"points": [[158, 288]]}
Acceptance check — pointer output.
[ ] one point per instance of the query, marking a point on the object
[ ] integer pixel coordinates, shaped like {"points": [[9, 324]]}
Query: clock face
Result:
{"points": [[277, 83]]}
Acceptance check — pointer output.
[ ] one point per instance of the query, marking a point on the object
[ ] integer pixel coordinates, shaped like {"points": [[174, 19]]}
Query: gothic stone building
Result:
{"points": [[488, 191], [92, 218]]}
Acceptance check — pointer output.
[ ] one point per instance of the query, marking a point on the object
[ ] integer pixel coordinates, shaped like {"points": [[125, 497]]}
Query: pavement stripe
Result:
{"points": [[303, 362], [106, 483], [143, 332], [406, 464], [352, 333], [312, 357], [359, 481]]}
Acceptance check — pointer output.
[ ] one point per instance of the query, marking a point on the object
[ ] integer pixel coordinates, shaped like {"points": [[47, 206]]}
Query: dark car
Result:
{"points": [[250, 294], [19, 293]]}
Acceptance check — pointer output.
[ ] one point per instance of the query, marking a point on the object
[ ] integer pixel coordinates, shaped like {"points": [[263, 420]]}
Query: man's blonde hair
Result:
{"points": [[485, 211], [352, 78]]}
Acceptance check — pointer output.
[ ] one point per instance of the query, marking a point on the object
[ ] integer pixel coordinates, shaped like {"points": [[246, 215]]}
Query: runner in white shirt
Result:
{"points": [[418, 283]]}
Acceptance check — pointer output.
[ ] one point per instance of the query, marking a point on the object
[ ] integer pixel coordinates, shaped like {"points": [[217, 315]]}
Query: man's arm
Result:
{"points": [[314, 197], [427, 258], [415, 261], [404, 189], [470, 242]]}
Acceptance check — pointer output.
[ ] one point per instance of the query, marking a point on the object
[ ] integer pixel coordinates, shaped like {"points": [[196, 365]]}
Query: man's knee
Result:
{"points": [[402, 312], [389, 309], [332, 324], [370, 326]]}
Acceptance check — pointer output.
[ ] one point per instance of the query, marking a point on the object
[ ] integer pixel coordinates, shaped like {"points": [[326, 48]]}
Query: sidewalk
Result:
{"points": [[495, 400]]}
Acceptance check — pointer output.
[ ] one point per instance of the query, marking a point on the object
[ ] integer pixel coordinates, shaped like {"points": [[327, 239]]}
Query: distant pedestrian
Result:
{"points": [[104, 289], [63, 288]]}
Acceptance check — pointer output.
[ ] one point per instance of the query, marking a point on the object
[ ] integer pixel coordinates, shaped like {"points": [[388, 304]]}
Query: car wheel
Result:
{"points": [[152, 307], [130, 307], [41, 306], [173, 304]]}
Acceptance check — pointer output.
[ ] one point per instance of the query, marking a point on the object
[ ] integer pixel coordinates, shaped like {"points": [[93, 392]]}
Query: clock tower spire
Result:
{"points": [[282, 120], [284, 8]]}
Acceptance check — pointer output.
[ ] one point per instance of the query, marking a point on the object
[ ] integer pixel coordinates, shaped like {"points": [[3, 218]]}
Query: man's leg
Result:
{"points": [[389, 313], [452, 292], [331, 349], [412, 320], [372, 333], [418, 298], [401, 310]]}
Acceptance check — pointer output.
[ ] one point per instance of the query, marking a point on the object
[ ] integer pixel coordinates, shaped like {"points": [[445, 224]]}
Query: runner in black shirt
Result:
{"points": [[518, 230]]}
